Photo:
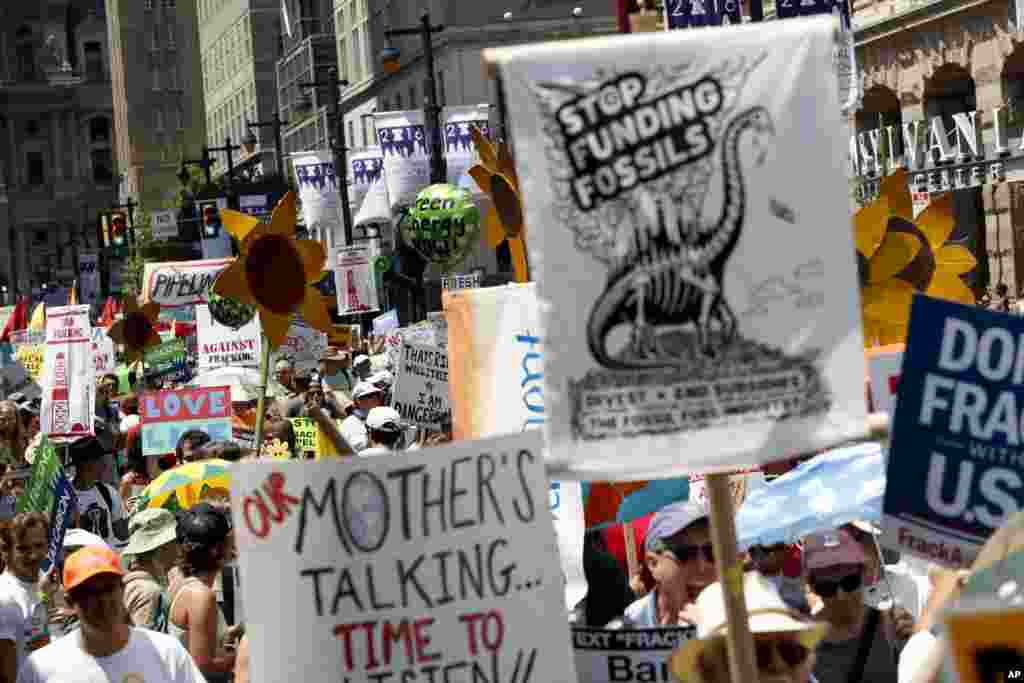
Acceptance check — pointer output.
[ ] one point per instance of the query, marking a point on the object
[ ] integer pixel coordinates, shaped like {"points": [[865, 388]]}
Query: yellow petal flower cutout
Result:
{"points": [[898, 256], [137, 330], [274, 271], [495, 175]]}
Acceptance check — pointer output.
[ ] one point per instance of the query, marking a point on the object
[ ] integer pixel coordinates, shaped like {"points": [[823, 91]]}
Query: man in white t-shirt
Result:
{"points": [[353, 428], [100, 509], [106, 648]]}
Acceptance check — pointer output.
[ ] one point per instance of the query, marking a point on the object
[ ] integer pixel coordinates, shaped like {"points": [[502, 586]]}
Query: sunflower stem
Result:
{"points": [[261, 402]]}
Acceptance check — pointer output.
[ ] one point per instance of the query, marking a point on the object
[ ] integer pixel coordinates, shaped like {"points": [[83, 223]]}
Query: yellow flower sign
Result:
{"points": [[137, 330], [899, 255], [496, 177], [275, 272]]}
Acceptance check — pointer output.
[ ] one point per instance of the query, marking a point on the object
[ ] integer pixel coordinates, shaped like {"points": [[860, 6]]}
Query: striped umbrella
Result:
{"points": [[186, 485]]}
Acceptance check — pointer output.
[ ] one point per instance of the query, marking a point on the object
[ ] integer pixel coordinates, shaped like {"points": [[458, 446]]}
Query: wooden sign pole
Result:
{"points": [[742, 657]]}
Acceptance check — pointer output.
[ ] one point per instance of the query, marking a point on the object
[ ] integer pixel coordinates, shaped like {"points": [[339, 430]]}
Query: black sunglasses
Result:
{"points": [[827, 588], [687, 553], [792, 653]]}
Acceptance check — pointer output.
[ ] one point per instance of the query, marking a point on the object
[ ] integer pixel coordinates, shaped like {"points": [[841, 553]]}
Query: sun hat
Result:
{"points": [[381, 377], [86, 450], [79, 538], [364, 389], [384, 419], [90, 561], [149, 529], [672, 519], [832, 549], [767, 613]]}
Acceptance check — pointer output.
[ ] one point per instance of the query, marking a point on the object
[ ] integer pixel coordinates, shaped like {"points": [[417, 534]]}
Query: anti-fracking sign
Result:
{"points": [[957, 430]]}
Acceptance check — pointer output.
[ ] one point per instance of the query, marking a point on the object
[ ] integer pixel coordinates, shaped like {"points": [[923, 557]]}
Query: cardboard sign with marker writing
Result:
{"points": [[611, 656], [421, 386], [404, 567]]}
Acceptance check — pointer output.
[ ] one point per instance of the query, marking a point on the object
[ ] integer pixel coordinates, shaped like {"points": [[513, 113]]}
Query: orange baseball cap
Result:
{"points": [[88, 562]]}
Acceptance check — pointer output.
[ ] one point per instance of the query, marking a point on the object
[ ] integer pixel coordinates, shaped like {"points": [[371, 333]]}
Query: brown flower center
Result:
{"points": [[275, 274], [136, 330]]}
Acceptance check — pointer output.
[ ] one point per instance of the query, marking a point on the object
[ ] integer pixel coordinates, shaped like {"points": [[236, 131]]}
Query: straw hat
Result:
{"points": [[767, 613]]}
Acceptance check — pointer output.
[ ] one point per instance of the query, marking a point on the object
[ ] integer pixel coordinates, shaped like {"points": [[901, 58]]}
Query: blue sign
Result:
{"points": [[64, 504], [956, 460]]}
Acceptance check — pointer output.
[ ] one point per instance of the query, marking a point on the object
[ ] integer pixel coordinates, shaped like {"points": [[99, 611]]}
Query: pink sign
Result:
{"points": [[177, 405]]}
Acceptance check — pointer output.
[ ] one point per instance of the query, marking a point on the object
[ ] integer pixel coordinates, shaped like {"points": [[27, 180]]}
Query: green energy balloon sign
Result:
{"points": [[443, 225]]}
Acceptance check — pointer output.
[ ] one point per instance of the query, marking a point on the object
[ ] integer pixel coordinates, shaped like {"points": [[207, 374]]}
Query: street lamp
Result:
{"points": [[339, 150], [249, 144]]}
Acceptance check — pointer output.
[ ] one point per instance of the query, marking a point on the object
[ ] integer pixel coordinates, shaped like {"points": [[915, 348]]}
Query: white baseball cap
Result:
{"points": [[364, 389], [384, 419]]}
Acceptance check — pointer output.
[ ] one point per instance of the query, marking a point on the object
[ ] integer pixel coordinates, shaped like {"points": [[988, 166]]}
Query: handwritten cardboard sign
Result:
{"points": [[607, 656], [69, 374], [420, 394], [956, 432], [166, 415], [403, 567], [304, 345], [221, 346], [173, 284]]}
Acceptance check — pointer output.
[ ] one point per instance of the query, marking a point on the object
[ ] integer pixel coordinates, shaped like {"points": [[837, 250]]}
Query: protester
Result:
{"points": [[861, 642], [152, 551], [784, 639], [242, 661], [334, 372], [13, 441], [278, 438], [129, 413], [361, 368], [189, 444], [106, 647], [195, 618], [28, 412], [384, 430], [775, 562], [101, 510], [62, 618], [24, 621], [138, 474], [383, 379], [316, 398], [107, 422], [353, 428], [680, 558], [887, 584], [12, 485], [608, 592], [282, 384]]}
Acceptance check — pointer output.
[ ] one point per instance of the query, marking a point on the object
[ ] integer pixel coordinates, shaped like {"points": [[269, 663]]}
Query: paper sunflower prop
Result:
{"points": [[898, 256], [496, 177], [137, 330], [274, 271]]}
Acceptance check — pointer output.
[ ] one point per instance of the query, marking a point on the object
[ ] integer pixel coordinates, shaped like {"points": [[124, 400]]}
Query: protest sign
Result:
{"points": [[667, 330], [30, 357], [49, 491], [420, 394], [220, 346], [607, 656], [459, 152], [385, 323], [173, 284], [355, 281], [402, 138], [399, 575], [496, 359], [310, 440], [366, 168], [884, 365], [104, 357], [740, 483], [166, 415], [69, 374], [956, 433], [168, 361], [89, 277], [318, 194], [303, 346]]}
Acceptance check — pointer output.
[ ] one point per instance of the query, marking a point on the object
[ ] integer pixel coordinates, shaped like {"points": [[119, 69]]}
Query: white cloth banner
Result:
{"points": [[89, 277], [220, 346], [318, 192], [103, 356], [366, 167], [354, 279], [420, 394], [385, 586], [496, 358], [174, 284], [673, 345], [459, 152], [69, 378], [304, 346], [403, 142]]}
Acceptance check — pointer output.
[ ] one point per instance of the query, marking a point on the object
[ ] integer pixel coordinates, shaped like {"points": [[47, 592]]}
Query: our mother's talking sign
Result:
{"points": [[404, 569], [956, 465]]}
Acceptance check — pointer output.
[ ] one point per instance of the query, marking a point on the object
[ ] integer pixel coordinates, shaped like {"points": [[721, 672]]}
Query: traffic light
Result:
{"points": [[209, 216], [115, 228]]}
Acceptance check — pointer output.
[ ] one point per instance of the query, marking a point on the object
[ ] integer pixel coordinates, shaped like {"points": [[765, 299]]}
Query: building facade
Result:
{"points": [[240, 41], [308, 54], [57, 167], [159, 115], [931, 60]]}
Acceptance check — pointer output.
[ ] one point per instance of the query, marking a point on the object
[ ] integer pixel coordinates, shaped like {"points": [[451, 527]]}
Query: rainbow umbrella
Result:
{"points": [[186, 485]]}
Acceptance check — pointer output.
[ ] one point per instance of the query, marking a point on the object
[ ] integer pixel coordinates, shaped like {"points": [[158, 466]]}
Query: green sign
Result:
{"points": [[443, 224], [46, 469], [166, 359]]}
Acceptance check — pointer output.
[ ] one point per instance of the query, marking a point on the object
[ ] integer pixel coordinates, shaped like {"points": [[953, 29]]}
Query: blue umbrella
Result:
{"points": [[827, 491]]}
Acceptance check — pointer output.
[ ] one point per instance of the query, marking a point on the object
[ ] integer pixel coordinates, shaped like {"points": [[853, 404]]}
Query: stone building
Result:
{"points": [[56, 139], [923, 61], [159, 116], [308, 53]]}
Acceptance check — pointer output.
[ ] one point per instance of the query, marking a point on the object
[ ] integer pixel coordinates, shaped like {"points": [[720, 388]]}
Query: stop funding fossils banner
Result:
{"points": [[403, 569]]}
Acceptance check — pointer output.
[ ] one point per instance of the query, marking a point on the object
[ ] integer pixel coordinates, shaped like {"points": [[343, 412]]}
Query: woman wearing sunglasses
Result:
{"points": [[857, 646], [784, 640]]}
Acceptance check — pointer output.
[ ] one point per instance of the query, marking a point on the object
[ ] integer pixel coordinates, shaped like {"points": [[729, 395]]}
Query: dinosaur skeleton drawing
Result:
{"points": [[667, 261]]}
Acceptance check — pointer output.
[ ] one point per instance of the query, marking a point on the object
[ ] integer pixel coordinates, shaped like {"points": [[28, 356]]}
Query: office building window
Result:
{"points": [[102, 166], [170, 4], [412, 96], [158, 119], [398, 100], [25, 53], [99, 130], [36, 171], [440, 89], [94, 67], [148, 4]]}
